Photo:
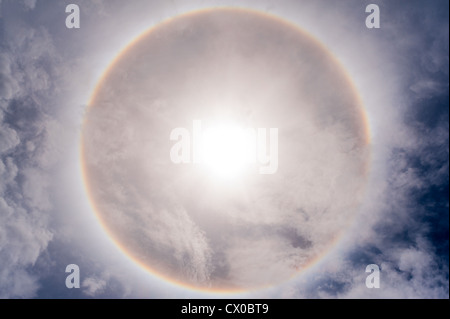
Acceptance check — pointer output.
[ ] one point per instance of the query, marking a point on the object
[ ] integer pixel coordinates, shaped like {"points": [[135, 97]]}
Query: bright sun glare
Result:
{"points": [[227, 150]]}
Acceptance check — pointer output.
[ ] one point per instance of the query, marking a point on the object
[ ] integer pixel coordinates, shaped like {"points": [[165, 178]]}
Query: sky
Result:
{"points": [[48, 220]]}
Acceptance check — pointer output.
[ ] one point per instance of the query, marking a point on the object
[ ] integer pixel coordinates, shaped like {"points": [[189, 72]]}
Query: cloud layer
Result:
{"points": [[401, 70], [26, 155]]}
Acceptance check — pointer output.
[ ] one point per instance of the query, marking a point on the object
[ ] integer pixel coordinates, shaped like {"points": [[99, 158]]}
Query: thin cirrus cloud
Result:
{"points": [[48, 72]]}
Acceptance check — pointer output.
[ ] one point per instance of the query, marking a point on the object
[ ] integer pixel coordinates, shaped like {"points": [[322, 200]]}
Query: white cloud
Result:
{"points": [[29, 4], [8, 139], [24, 186], [93, 286], [428, 88]]}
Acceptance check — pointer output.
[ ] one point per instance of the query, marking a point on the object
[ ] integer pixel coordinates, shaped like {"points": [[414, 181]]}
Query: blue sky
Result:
{"points": [[48, 73]]}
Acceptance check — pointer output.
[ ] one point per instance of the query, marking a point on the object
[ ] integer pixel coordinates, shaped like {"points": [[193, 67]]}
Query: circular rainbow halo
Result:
{"points": [[293, 148]]}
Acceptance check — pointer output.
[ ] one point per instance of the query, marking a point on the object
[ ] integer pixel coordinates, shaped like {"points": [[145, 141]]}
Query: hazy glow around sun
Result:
{"points": [[253, 101]]}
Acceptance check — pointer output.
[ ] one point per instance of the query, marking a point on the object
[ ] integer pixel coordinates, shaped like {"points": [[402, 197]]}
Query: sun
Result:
{"points": [[227, 150]]}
